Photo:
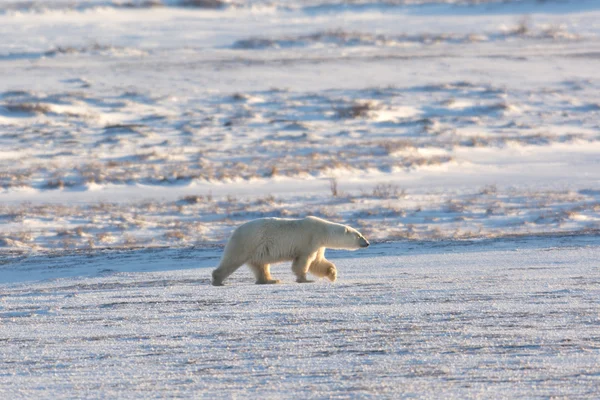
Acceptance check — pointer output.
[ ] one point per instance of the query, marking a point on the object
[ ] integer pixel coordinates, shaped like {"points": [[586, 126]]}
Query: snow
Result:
{"points": [[494, 319]]}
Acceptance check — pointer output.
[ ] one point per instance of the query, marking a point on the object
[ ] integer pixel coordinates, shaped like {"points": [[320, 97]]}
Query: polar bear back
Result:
{"points": [[271, 240]]}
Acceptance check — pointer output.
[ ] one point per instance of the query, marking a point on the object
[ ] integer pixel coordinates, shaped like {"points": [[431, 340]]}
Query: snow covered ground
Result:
{"points": [[131, 124], [461, 137], [494, 319]]}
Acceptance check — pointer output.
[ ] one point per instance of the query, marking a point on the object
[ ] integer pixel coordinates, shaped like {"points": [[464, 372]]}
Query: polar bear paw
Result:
{"points": [[268, 282], [332, 273], [302, 279], [217, 280]]}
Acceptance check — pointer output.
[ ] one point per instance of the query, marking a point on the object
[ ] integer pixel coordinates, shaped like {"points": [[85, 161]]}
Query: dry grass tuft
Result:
{"points": [[267, 200], [30, 108], [394, 146], [358, 109], [212, 4], [523, 27], [105, 237], [454, 206], [191, 199], [272, 172], [387, 191], [55, 184], [123, 128], [333, 186], [240, 97], [179, 235], [489, 190], [143, 4]]}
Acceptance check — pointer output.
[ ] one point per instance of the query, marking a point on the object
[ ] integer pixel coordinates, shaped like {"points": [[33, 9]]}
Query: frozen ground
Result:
{"points": [[492, 319], [129, 124]]}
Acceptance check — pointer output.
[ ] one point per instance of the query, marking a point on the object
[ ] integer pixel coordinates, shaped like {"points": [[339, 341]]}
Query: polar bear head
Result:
{"points": [[346, 238]]}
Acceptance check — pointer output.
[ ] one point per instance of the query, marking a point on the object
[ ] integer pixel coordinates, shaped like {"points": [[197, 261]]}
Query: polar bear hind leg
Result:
{"points": [[227, 266], [262, 273]]}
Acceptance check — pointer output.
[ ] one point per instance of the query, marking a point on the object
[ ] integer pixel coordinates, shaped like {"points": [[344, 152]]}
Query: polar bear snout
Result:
{"points": [[362, 242]]}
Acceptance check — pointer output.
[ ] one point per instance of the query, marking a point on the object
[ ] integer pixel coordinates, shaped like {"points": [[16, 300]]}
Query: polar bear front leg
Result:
{"points": [[262, 273], [324, 269], [300, 267]]}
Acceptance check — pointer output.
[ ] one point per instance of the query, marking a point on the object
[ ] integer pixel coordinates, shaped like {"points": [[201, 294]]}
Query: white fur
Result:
{"points": [[264, 241]]}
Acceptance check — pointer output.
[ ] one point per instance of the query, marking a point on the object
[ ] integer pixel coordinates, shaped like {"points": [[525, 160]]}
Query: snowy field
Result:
{"points": [[500, 319], [461, 137], [128, 125]]}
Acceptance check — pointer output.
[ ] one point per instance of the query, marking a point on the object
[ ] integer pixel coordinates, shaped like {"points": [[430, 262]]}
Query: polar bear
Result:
{"points": [[264, 241]]}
